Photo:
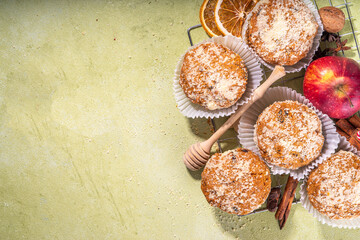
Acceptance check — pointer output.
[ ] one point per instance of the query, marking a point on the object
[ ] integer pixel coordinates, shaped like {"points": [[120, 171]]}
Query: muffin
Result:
{"points": [[281, 31], [333, 187], [289, 134], [236, 181], [213, 76]]}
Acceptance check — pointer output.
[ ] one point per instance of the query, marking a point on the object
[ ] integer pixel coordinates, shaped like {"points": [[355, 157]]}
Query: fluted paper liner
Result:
{"points": [[340, 223], [249, 118], [255, 76], [304, 62]]}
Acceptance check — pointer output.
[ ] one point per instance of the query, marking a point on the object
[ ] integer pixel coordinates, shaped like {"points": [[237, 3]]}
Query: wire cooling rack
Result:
{"points": [[348, 33]]}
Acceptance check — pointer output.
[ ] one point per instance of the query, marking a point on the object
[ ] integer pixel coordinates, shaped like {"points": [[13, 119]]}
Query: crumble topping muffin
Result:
{"points": [[236, 181], [289, 134], [281, 31], [334, 186], [213, 76]]}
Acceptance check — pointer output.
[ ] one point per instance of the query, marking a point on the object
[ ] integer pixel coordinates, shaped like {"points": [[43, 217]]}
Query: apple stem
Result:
{"points": [[341, 89]]}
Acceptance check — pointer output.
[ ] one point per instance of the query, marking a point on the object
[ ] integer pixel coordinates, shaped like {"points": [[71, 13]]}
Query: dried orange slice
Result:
{"points": [[231, 14], [207, 18]]}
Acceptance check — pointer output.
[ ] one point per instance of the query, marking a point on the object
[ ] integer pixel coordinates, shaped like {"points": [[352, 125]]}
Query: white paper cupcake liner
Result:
{"points": [[255, 76], [304, 62], [248, 120], [340, 223]]}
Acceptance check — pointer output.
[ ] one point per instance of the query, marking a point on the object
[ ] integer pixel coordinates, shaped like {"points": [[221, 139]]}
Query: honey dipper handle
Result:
{"points": [[276, 74]]}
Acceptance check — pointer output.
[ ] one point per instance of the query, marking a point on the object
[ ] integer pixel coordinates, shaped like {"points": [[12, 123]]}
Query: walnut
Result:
{"points": [[332, 18]]}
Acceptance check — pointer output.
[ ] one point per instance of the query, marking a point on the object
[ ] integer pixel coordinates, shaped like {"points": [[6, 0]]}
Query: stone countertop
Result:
{"points": [[91, 139]]}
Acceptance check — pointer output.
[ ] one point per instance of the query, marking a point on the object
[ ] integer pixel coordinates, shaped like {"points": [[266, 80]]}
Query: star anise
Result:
{"points": [[320, 53], [340, 46], [330, 37]]}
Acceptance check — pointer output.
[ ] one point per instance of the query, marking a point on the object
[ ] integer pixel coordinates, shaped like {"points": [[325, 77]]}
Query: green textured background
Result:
{"points": [[91, 140]]}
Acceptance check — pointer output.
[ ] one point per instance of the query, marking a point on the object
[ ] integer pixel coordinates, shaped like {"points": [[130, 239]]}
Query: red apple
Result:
{"points": [[332, 84]]}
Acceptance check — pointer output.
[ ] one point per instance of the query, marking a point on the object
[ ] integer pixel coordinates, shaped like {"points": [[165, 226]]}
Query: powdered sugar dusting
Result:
{"points": [[289, 134], [213, 76], [236, 181], [282, 31], [334, 187]]}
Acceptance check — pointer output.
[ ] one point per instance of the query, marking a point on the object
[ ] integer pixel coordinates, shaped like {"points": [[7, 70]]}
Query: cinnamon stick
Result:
{"points": [[342, 133], [283, 210], [355, 121], [346, 129], [344, 125], [287, 212]]}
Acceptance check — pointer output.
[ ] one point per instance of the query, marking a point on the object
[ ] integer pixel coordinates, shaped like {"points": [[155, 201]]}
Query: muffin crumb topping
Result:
{"points": [[213, 76], [334, 186], [282, 31], [289, 134], [236, 181]]}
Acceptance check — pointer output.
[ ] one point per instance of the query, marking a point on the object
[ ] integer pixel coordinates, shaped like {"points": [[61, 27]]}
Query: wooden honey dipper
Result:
{"points": [[199, 153]]}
